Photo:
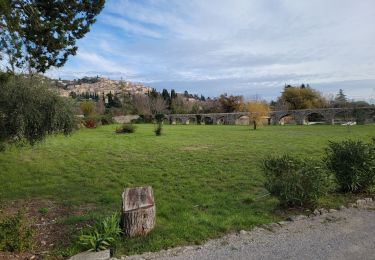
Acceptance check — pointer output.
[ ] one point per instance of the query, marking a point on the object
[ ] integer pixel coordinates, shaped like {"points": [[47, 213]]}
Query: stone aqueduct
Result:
{"points": [[274, 117]]}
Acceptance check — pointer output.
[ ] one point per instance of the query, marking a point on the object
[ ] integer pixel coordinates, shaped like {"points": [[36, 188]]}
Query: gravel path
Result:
{"points": [[344, 234]]}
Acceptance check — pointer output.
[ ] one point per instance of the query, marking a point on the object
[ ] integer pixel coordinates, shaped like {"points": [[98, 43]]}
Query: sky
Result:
{"points": [[241, 47]]}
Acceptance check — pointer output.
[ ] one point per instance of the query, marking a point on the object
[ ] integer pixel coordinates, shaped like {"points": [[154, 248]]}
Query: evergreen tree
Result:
{"points": [[42, 34], [173, 94], [153, 94], [165, 95], [341, 97]]}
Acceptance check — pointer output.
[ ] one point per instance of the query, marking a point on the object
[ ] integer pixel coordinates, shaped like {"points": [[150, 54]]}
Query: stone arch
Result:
{"points": [[220, 120], [281, 118], [192, 119], [208, 120], [315, 117], [343, 116], [242, 120]]}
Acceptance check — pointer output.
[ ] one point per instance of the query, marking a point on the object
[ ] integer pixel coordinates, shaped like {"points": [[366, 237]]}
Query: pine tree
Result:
{"points": [[43, 34]]}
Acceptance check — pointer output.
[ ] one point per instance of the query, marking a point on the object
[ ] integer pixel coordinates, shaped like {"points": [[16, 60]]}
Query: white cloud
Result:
{"points": [[250, 43]]}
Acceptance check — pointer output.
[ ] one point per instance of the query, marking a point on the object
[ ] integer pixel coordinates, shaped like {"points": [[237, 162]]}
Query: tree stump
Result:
{"points": [[138, 211]]}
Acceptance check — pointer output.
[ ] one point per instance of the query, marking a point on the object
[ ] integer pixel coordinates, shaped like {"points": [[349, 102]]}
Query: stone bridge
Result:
{"points": [[274, 117]]}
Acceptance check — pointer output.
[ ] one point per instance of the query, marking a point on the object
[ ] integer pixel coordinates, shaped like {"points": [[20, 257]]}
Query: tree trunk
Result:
{"points": [[138, 211], [255, 125]]}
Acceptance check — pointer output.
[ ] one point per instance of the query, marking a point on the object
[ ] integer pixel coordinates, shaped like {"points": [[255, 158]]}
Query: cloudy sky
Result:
{"points": [[247, 47]]}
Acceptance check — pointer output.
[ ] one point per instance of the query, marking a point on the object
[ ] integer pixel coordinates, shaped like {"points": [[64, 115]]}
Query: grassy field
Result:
{"points": [[206, 179]]}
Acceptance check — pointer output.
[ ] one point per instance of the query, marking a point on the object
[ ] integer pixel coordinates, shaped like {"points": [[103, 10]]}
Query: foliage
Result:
{"points": [[301, 97], [30, 110], [90, 123], [159, 124], [340, 99], [231, 103], [360, 116], [295, 182], [106, 119], [102, 235], [257, 110], [126, 129], [44, 33], [353, 163], [158, 129], [16, 233], [87, 107]]}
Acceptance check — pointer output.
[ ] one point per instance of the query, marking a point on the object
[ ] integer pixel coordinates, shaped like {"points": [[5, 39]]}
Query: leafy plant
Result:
{"points": [[103, 235], [87, 107], [16, 233], [159, 124], [30, 110], [353, 164], [106, 120], [126, 129], [90, 123], [295, 182]]}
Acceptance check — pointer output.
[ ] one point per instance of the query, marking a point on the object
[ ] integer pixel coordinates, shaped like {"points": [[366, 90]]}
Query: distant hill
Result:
{"points": [[99, 86]]}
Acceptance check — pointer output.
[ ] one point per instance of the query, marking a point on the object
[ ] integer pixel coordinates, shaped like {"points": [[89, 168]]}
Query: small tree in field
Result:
{"points": [[257, 110]]}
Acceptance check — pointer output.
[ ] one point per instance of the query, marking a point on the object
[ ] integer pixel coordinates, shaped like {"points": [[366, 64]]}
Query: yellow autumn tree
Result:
{"points": [[258, 110], [87, 107]]}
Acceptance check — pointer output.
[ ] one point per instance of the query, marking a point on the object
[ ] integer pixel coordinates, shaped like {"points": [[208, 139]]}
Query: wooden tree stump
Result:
{"points": [[138, 211]]}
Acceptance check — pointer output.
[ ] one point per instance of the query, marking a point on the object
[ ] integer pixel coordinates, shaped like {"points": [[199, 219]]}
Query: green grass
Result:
{"points": [[206, 179]]}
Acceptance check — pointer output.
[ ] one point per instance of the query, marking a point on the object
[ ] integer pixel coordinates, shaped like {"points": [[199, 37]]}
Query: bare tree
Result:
{"points": [[142, 104], [158, 105]]}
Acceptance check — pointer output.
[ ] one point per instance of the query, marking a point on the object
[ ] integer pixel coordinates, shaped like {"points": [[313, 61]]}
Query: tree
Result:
{"points": [[29, 110], [165, 95], [257, 111], [231, 103], [87, 107], [158, 105], [340, 99], [141, 104], [301, 98], [173, 94], [42, 34]]}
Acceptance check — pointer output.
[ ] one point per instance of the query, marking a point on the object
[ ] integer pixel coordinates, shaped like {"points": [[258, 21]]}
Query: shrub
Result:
{"points": [[87, 107], [126, 129], [295, 182], [102, 235], [90, 123], [353, 164], [106, 120], [30, 109], [16, 233], [158, 129]]}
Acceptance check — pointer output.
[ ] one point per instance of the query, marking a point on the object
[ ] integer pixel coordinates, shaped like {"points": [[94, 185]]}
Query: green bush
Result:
{"points": [[16, 233], [295, 182], [30, 109], [106, 120], [353, 164], [102, 235], [126, 129]]}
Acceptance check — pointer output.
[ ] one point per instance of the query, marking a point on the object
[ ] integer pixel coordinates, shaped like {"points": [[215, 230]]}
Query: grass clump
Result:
{"points": [[126, 129], [294, 181], [102, 235], [16, 233], [353, 164]]}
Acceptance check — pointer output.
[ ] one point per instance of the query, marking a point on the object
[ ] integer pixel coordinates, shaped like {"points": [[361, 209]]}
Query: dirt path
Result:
{"points": [[344, 234]]}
